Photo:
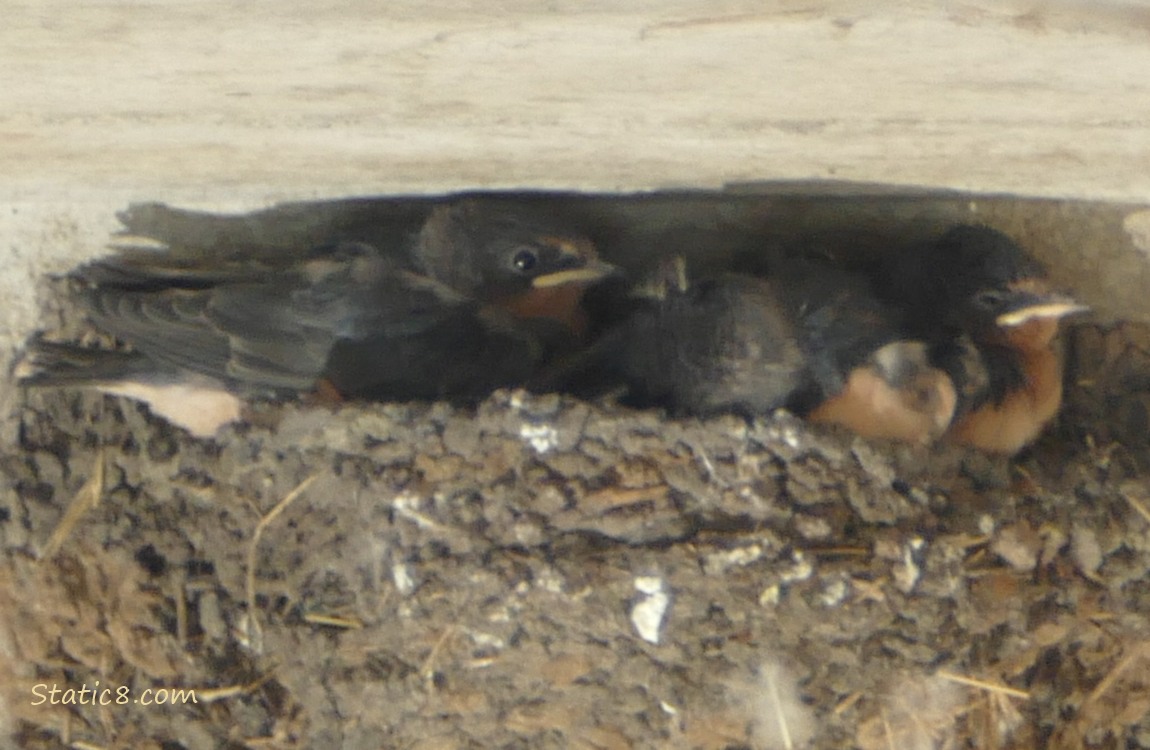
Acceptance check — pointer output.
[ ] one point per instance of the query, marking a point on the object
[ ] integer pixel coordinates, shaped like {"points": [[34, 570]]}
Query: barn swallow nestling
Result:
{"points": [[991, 318], [522, 263], [811, 338], [347, 317], [862, 371], [721, 344]]}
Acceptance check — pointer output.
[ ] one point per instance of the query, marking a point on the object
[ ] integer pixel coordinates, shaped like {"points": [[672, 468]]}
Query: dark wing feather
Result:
{"points": [[840, 322], [151, 270], [288, 327], [352, 315], [169, 326]]}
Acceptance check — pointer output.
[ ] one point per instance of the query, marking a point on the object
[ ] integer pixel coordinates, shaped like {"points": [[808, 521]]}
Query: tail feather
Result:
{"points": [[54, 364], [198, 405]]}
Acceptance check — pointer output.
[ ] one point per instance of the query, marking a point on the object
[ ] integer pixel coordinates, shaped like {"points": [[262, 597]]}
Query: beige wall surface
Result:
{"points": [[221, 102], [224, 105]]}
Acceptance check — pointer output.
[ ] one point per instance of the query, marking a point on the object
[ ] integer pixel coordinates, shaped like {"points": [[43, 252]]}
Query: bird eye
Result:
{"points": [[524, 261], [989, 299]]}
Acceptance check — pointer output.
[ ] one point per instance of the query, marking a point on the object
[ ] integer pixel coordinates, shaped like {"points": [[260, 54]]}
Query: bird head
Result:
{"points": [[491, 253], [996, 291]]}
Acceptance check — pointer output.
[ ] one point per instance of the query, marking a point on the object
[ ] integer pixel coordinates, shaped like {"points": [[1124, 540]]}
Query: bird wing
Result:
{"points": [[278, 331], [840, 321]]}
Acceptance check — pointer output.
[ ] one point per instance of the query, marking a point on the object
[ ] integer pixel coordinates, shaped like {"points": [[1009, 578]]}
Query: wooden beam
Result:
{"points": [[218, 102]]}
